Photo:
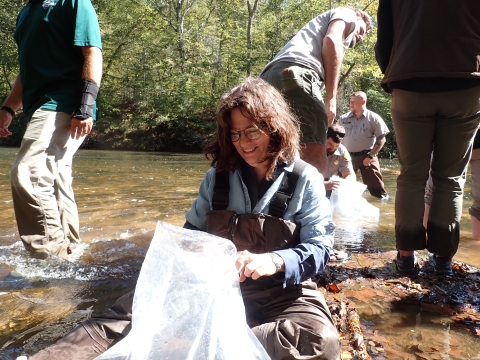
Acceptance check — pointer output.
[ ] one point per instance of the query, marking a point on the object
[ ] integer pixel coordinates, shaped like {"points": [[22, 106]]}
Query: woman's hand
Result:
{"points": [[255, 265]]}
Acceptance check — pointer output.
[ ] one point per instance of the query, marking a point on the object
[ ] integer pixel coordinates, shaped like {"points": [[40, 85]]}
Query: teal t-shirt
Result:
{"points": [[49, 35]]}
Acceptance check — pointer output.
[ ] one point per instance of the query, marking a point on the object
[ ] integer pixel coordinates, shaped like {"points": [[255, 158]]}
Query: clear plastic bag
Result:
{"points": [[347, 201], [187, 302]]}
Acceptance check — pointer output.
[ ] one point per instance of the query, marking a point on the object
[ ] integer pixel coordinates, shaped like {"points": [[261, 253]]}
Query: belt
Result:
{"points": [[359, 153]]}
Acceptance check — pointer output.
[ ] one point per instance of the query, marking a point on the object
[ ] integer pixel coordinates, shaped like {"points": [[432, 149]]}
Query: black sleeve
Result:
{"points": [[189, 226], [383, 47]]}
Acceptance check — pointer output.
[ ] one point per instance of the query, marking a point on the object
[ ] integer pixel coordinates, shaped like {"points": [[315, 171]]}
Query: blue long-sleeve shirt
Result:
{"points": [[308, 208]]}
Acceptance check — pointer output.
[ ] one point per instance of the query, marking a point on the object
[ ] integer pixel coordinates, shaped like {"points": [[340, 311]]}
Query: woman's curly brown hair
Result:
{"points": [[265, 107]]}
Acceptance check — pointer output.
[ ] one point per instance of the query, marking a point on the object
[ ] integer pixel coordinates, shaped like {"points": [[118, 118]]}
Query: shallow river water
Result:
{"points": [[121, 196]]}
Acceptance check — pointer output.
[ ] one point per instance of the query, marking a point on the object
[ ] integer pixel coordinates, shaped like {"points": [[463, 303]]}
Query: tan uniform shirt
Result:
{"points": [[361, 133], [339, 161]]}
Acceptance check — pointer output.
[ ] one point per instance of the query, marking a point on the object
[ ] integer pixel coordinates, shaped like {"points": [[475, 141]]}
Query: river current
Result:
{"points": [[120, 197]]}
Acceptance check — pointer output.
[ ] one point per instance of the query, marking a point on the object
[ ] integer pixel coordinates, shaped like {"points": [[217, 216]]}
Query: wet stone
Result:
{"points": [[368, 286]]}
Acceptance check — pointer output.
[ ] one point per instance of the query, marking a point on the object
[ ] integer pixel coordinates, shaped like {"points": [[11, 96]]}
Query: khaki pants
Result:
{"points": [[41, 180], [445, 122]]}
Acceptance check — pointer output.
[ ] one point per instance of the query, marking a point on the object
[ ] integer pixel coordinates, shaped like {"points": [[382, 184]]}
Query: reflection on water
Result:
{"points": [[121, 196]]}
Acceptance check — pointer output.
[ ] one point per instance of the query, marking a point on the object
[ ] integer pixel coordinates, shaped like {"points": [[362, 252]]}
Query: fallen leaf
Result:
{"points": [[333, 288]]}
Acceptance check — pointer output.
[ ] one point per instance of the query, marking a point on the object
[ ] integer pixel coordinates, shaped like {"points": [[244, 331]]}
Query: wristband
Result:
{"points": [[369, 156], [88, 96], [277, 261], [8, 109]]}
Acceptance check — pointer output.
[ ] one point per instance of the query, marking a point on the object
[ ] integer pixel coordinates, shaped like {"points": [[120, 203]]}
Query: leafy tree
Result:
{"points": [[167, 63]]}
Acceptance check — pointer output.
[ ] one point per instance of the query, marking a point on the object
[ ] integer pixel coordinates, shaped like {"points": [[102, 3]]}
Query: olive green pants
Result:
{"points": [[445, 123], [303, 89]]}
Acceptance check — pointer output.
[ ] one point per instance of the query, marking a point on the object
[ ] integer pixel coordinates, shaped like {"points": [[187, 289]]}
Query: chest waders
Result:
{"points": [[292, 322], [257, 233]]}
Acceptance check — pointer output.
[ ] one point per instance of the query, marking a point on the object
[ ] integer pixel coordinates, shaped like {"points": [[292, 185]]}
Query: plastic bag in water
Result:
{"points": [[187, 302], [347, 201]]}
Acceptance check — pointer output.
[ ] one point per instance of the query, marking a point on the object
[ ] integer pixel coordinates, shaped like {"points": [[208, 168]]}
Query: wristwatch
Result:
{"points": [[369, 156], [277, 261]]}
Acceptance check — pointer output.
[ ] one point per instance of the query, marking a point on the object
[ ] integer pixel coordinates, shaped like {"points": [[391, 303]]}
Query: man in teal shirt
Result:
{"points": [[59, 51]]}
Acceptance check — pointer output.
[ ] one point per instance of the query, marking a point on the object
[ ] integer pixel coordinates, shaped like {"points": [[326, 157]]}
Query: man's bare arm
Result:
{"points": [[379, 142], [14, 102], [93, 64], [332, 57]]}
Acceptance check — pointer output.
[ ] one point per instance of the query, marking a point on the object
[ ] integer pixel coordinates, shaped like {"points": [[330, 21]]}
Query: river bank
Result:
{"points": [[417, 317]]}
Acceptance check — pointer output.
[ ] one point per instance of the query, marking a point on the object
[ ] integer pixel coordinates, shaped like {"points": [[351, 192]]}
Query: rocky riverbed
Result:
{"points": [[383, 315]]}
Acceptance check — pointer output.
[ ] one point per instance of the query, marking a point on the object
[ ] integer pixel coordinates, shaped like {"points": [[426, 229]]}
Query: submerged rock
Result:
{"points": [[366, 295]]}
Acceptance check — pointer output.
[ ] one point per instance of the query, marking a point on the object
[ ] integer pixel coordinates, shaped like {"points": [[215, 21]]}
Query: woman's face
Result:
{"points": [[252, 151]]}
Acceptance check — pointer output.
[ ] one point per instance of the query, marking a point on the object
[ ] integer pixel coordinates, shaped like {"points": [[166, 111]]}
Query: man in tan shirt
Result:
{"points": [[339, 161], [365, 133]]}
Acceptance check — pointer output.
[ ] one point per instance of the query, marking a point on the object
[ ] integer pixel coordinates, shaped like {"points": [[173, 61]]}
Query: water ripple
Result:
{"points": [[120, 263]]}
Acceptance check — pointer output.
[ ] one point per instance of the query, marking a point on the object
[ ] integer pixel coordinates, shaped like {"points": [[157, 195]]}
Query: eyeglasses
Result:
{"points": [[341, 135], [251, 133]]}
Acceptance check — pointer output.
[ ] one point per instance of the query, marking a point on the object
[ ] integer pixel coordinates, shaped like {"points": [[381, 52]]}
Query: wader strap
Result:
{"points": [[221, 190], [279, 204]]}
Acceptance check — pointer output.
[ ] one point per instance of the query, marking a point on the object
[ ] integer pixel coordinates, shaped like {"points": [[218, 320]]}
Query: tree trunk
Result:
{"points": [[251, 16]]}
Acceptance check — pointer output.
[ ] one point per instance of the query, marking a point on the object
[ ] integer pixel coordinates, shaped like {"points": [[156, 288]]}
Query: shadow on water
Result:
{"points": [[121, 196]]}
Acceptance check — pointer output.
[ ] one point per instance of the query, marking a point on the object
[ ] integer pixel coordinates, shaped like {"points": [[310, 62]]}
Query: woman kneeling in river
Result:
{"points": [[272, 205]]}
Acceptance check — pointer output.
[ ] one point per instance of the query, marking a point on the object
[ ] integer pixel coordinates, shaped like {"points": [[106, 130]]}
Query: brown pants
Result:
{"points": [[291, 323], [294, 323], [371, 175], [93, 336]]}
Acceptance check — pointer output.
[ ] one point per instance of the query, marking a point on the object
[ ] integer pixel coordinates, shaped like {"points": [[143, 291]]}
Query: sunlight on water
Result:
{"points": [[25, 267], [120, 197]]}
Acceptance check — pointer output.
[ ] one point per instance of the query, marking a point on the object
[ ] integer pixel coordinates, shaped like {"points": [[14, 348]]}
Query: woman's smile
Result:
{"points": [[254, 152]]}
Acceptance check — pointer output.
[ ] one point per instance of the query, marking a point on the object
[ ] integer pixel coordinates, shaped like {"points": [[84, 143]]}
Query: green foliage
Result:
{"points": [[167, 63]]}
